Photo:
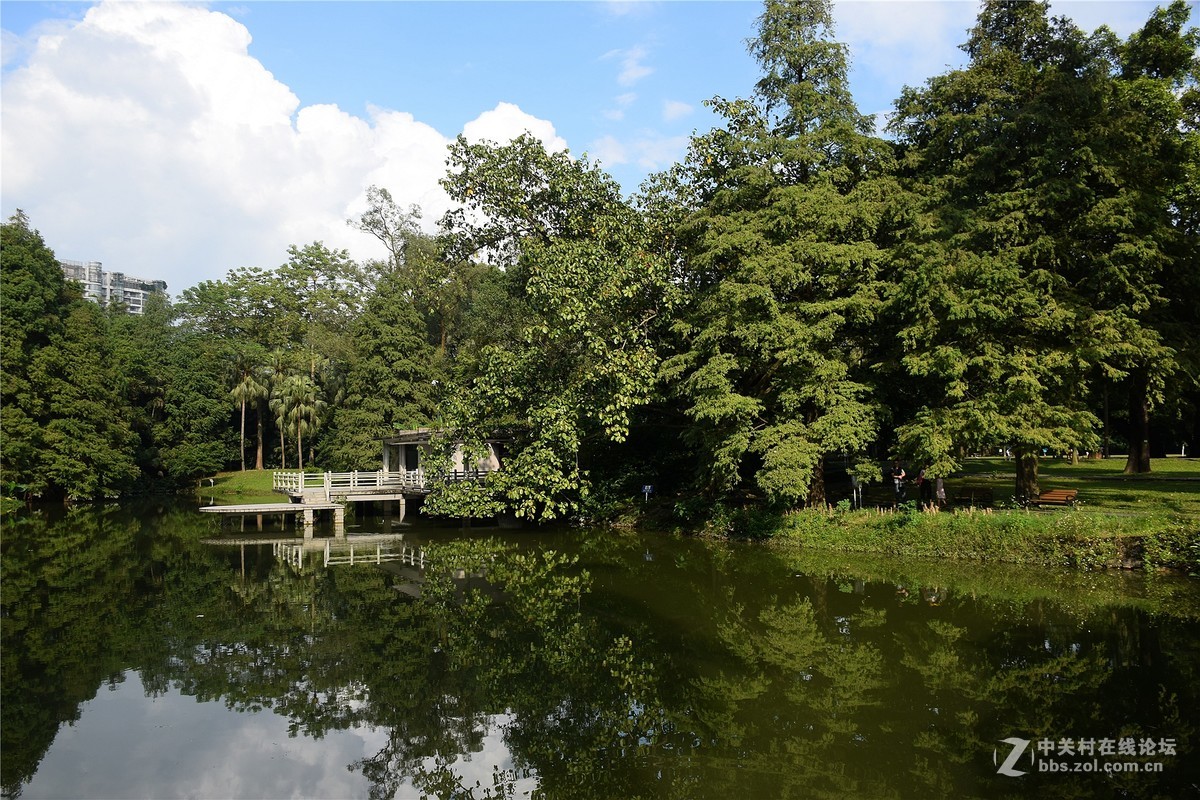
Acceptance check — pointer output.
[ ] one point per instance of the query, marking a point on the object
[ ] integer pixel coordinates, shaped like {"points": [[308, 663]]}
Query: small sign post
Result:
{"points": [[646, 490]]}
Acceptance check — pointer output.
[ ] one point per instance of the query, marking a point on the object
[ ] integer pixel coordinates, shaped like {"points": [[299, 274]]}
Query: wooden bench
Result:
{"points": [[1057, 497]]}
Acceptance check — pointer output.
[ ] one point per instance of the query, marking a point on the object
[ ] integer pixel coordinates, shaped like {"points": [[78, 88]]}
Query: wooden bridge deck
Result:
{"points": [[362, 486], [271, 508], [307, 509]]}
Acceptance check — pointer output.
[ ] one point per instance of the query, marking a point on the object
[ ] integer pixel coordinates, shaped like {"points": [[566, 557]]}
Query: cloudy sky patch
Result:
{"points": [[179, 141]]}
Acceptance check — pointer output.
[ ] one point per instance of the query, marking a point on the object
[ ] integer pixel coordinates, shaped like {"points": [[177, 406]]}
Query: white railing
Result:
{"points": [[339, 483], [349, 553]]}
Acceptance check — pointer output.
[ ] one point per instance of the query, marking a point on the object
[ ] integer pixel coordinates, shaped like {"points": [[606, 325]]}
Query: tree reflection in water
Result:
{"points": [[708, 671]]}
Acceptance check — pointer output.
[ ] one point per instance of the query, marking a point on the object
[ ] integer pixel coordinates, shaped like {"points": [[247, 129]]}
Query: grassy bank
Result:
{"points": [[1120, 521], [1172, 488], [1063, 537], [239, 487]]}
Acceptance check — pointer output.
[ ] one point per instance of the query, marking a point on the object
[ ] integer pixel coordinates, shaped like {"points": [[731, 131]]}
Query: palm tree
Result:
{"points": [[261, 407], [278, 368], [300, 404], [246, 389]]}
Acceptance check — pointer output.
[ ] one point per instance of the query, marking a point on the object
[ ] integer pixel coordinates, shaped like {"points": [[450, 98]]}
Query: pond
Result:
{"points": [[157, 652]]}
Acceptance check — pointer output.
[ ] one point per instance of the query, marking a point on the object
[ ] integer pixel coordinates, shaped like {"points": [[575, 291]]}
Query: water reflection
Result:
{"points": [[583, 664]]}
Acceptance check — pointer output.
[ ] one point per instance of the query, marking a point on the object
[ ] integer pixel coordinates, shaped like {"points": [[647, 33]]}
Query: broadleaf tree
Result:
{"points": [[592, 291]]}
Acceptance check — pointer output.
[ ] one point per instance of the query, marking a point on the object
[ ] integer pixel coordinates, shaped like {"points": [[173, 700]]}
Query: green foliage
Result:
{"points": [[195, 438], [437, 285], [1088, 540], [87, 444], [65, 426], [1021, 253], [33, 299], [789, 200], [1041, 234], [391, 380], [590, 291]]}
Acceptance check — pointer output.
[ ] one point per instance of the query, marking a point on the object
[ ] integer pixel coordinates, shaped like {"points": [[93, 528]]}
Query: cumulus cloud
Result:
{"points": [[145, 136], [506, 122]]}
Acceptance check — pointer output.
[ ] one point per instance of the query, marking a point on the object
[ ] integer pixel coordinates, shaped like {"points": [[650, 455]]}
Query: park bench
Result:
{"points": [[1057, 497]]}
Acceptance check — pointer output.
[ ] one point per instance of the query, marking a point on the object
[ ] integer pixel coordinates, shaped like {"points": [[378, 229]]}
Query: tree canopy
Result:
{"points": [[798, 300]]}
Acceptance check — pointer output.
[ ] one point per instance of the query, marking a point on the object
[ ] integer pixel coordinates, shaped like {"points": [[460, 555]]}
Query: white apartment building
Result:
{"points": [[107, 288]]}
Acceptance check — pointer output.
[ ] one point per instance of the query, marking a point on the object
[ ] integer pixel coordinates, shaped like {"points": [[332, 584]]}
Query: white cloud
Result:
{"points": [[649, 150], [621, 103], [632, 68], [506, 122], [674, 109], [172, 746], [608, 151], [145, 136], [903, 41]]}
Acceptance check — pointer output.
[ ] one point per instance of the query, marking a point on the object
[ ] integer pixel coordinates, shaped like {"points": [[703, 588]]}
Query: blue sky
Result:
{"points": [[179, 141]]}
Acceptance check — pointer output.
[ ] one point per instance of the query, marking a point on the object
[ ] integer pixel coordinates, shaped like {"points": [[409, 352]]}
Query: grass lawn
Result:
{"points": [[1171, 489], [241, 487]]}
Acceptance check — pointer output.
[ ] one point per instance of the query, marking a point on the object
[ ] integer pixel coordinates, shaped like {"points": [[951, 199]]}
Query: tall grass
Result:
{"points": [[1060, 538]]}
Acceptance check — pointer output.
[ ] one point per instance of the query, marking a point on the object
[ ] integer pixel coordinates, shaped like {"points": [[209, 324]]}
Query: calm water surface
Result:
{"points": [[160, 653]]}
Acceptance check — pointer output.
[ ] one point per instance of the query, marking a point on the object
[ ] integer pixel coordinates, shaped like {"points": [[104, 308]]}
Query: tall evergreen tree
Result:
{"points": [[34, 297], [1144, 274], [141, 347], [87, 444], [1034, 255], [65, 424], [783, 265], [195, 437], [390, 381]]}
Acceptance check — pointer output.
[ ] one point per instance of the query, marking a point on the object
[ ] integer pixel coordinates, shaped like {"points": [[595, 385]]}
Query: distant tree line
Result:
{"points": [[1014, 265]]}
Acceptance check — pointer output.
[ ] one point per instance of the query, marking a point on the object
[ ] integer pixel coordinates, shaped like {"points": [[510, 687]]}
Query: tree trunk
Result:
{"points": [[816, 489], [1104, 448], [1027, 473], [282, 450], [258, 457], [299, 448], [243, 440], [1139, 427]]}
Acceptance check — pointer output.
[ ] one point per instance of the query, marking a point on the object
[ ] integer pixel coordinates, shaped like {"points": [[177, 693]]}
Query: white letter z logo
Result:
{"points": [[1018, 747]]}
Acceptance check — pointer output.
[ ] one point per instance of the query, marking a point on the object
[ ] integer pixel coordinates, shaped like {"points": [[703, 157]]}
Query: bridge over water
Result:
{"points": [[311, 492]]}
